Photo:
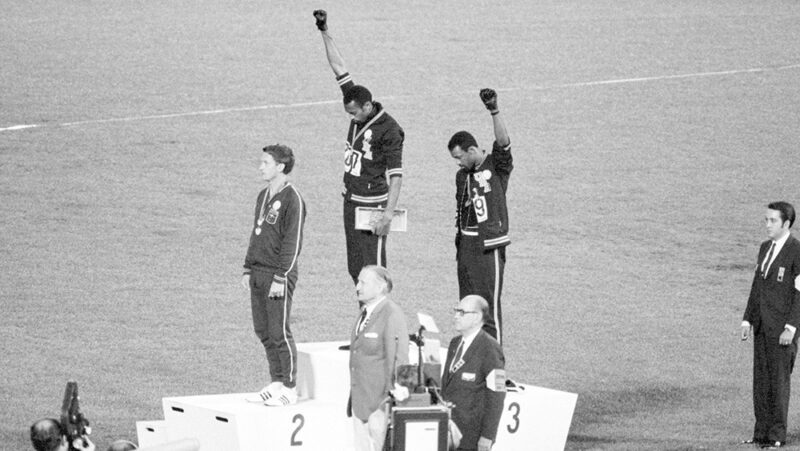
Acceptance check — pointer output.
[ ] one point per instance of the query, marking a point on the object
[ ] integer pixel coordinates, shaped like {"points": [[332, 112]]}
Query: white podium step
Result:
{"points": [[229, 422], [323, 372], [535, 418], [151, 433]]}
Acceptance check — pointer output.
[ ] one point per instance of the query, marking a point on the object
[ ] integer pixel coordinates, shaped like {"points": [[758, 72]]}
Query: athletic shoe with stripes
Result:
{"points": [[286, 397], [266, 393]]}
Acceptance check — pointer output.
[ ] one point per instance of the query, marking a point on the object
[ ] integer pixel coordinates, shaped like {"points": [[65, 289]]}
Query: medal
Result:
{"points": [[258, 230]]}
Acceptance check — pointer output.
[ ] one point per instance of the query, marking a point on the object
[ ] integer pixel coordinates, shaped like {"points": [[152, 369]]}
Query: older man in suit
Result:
{"points": [[772, 317], [378, 344], [474, 376]]}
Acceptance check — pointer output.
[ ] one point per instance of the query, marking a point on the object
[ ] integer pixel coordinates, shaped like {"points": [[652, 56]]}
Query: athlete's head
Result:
{"points": [[46, 435], [280, 155], [358, 103], [465, 150]]}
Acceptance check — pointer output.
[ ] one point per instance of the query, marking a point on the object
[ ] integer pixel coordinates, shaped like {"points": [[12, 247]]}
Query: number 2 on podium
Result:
{"points": [[299, 417]]}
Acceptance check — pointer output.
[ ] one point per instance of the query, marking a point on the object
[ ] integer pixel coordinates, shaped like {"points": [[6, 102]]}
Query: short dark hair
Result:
{"points": [[358, 94], [786, 210], [462, 139], [46, 434], [281, 154]]}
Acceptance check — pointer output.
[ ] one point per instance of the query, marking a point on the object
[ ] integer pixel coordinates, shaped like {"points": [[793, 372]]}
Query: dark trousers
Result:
{"points": [[363, 247], [271, 324], [481, 272], [772, 371]]}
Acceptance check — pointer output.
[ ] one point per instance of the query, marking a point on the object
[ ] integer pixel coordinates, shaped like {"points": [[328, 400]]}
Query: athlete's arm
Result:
{"points": [[383, 225], [489, 99], [500, 132], [331, 51]]}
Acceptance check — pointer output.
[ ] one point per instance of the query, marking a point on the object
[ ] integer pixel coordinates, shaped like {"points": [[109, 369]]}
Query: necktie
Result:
{"points": [[459, 351], [362, 321], [765, 263]]}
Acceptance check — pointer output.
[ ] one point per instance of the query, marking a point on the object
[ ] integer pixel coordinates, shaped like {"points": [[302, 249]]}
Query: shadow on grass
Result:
{"points": [[597, 411]]}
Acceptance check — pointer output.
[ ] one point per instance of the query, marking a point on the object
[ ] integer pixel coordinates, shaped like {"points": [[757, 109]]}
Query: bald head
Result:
{"points": [[46, 435], [478, 304], [471, 313]]}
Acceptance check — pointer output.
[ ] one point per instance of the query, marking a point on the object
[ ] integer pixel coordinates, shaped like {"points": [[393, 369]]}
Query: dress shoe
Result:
{"points": [[772, 445]]}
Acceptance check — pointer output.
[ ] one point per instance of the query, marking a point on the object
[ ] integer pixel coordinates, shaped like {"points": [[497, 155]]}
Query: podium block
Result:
{"points": [[151, 433], [535, 418], [323, 373], [229, 422]]}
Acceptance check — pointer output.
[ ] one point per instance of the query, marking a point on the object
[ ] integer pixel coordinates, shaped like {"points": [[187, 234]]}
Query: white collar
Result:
{"points": [[468, 339], [371, 307]]}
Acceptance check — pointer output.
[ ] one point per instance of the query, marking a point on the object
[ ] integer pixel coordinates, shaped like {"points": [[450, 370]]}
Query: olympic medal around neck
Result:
{"points": [[273, 213]]}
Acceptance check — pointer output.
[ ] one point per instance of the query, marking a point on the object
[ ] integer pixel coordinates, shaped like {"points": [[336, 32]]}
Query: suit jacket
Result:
{"points": [[375, 353], [479, 405], [774, 301]]}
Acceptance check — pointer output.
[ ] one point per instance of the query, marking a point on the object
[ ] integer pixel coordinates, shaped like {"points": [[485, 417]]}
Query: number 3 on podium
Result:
{"points": [[514, 416]]}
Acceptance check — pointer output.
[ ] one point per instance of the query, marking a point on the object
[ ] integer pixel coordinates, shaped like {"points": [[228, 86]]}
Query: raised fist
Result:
{"points": [[322, 19], [489, 98]]}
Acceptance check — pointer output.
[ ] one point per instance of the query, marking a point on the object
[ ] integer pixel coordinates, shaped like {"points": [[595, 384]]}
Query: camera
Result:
{"points": [[73, 424]]}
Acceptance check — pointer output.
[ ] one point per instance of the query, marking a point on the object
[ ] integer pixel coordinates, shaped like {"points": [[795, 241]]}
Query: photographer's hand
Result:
{"points": [[83, 444]]}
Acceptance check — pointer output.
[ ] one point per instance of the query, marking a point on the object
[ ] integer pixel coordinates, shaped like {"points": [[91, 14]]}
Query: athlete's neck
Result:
{"points": [[482, 158], [277, 184]]}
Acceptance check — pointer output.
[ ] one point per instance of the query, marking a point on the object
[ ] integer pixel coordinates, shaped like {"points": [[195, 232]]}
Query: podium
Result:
{"points": [[533, 417], [229, 422]]}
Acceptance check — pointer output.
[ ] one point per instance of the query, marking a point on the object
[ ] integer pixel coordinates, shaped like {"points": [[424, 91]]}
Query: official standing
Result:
{"points": [[270, 272], [771, 318], [378, 344], [474, 376], [482, 215], [373, 152]]}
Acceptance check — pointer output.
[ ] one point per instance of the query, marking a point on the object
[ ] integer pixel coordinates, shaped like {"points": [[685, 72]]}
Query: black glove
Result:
{"points": [[489, 98], [322, 19]]}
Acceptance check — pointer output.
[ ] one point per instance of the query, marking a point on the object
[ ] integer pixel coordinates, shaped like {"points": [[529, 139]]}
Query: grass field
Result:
{"points": [[648, 137]]}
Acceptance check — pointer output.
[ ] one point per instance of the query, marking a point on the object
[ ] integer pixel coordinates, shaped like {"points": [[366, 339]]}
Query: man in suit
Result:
{"points": [[378, 344], [772, 317], [474, 376]]}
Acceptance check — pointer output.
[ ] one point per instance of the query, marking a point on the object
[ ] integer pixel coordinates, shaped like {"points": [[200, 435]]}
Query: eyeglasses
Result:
{"points": [[462, 312]]}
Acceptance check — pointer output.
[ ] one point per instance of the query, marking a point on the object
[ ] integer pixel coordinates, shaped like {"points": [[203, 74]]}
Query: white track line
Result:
{"points": [[330, 102]]}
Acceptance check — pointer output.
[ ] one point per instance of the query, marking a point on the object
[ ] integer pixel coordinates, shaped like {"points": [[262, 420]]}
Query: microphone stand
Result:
{"points": [[419, 340]]}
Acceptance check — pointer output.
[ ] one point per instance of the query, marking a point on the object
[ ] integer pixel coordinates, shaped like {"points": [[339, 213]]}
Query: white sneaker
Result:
{"points": [[286, 397], [266, 393]]}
